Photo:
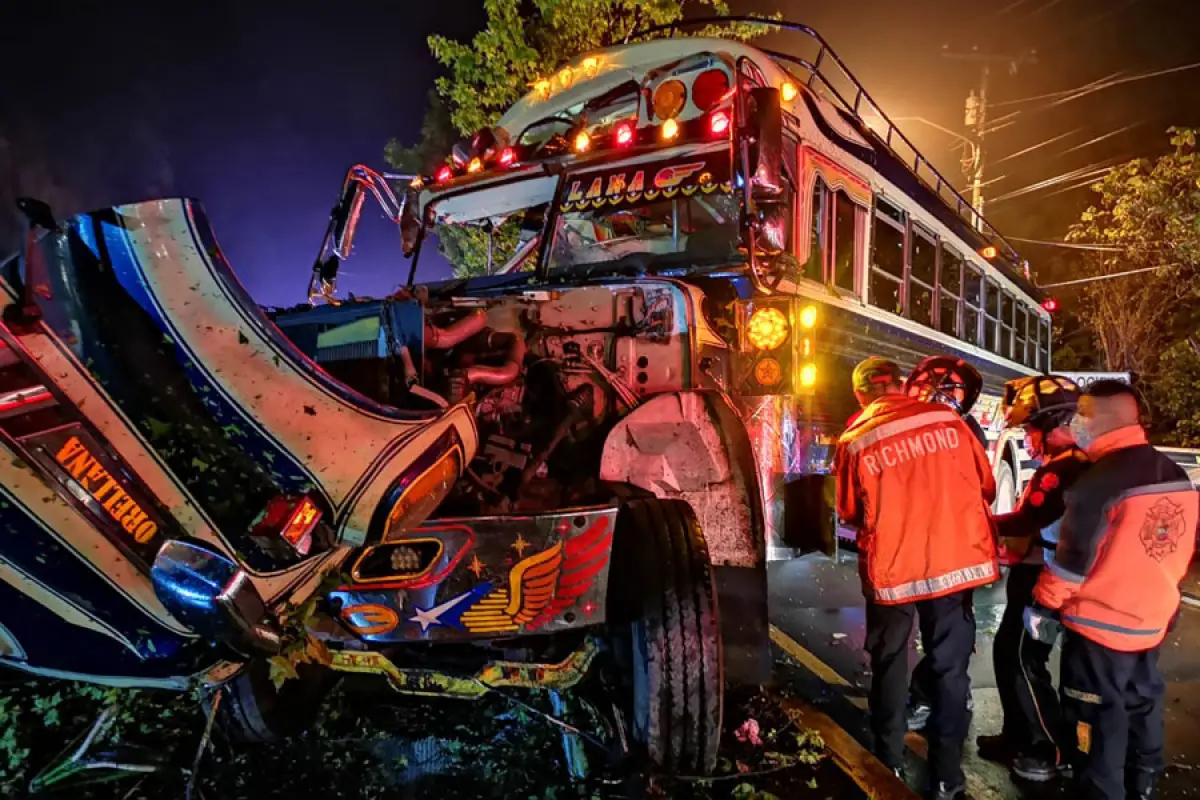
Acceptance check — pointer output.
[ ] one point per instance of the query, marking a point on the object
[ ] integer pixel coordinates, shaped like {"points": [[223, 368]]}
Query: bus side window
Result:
{"points": [[1020, 352], [949, 290], [791, 191], [887, 257], [1006, 325], [818, 215], [973, 306], [845, 236], [991, 316], [1044, 346], [922, 275]]}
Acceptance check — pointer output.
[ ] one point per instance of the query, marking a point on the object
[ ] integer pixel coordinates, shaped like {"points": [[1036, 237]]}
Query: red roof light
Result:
{"points": [[623, 135], [507, 156], [708, 88], [444, 174], [1050, 304], [718, 123]]}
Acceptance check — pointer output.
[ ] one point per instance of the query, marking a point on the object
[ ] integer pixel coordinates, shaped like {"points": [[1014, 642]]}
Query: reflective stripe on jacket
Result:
{"points": [[1126, 540], [1034, 523], [914, 481]]}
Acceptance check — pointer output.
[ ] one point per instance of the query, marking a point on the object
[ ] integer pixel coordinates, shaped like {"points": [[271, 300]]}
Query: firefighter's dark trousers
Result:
{"points": [[1113, 704], [1028, 698], [947, 626]]}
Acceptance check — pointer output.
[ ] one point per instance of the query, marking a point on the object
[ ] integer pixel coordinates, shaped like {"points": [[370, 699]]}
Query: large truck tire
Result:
{"points": [[674, 656], [253, 712]]}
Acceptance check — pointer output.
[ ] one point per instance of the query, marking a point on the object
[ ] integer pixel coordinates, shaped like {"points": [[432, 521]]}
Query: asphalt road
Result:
{"points": [[818, 605]]}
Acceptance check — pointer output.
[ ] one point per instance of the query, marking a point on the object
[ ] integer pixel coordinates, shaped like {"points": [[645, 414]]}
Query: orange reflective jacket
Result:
{"points": [[1127, 538], [916, 483]]}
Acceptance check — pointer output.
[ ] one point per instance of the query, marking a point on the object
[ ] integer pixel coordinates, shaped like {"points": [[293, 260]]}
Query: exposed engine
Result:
{"points": [[551, 373], [547, 373]]}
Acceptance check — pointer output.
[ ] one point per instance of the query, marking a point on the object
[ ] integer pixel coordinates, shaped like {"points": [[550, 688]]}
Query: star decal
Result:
{"points": [[476, 566], [451, 610], [519, 545]]}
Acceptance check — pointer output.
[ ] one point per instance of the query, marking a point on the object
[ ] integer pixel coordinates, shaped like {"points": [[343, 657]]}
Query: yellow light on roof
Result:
{"points": [[669, 99], [542, 87], [566, 77], [582, 141], [767, 329], [808, 317], [590, 66], [788, 91], [670, 129], [808, 375], [475, 165], [417, 182]]}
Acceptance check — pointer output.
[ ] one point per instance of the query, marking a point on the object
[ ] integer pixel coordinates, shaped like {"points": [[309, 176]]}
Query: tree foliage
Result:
{"points": [[524, 40], [1147, 216], [495, 69]]}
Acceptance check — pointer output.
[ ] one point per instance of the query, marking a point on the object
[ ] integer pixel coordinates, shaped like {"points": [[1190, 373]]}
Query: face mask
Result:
{"points": [[1079, 430]]}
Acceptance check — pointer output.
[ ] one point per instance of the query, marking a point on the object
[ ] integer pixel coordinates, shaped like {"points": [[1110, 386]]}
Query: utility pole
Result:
{"points": [[976, 114]]}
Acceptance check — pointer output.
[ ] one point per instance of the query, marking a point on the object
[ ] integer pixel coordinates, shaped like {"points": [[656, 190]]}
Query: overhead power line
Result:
{"points": [[1100, 138], [1037, 146], [1095, 278], [1083, 175], [1058, 94], [1121, 81], [1102, 248]]}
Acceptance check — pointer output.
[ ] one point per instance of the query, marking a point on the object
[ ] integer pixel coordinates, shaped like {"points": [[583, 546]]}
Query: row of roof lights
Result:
{"points": [[624, 134], [565, 77], [709, 89]]}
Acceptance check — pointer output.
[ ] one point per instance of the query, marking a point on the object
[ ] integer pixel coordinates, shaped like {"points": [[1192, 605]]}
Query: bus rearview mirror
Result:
{"points": [[410, 223], [764, 136]]}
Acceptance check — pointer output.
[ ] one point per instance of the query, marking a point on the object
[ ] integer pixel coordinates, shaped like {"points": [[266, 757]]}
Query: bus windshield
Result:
{"points": [[675, 230]]}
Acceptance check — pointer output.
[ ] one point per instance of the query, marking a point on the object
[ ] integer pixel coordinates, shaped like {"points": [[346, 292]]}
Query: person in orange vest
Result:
{"points": [[953, 382], [916, 485], [1127, 538], [1042, 405]]}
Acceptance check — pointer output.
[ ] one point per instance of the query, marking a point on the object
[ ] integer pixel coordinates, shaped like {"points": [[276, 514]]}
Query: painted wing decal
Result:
{"points": [[530, 589], [585, 556], [544, 585]]}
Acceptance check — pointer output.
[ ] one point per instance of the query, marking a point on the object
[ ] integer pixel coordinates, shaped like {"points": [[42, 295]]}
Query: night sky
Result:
{"points": [[257, 108]]}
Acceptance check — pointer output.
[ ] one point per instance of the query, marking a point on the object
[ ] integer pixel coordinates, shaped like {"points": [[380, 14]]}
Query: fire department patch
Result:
{"points": [[1162, 528]]}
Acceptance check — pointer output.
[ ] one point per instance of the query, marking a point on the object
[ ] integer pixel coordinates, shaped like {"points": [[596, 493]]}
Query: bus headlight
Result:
{"points": [[767, 329]]}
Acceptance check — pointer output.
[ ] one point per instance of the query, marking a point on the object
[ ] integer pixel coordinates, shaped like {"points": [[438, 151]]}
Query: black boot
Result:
{"points": [[943, 792], [1140, 784], [918, 715], [996, 747], [1035, 768]]}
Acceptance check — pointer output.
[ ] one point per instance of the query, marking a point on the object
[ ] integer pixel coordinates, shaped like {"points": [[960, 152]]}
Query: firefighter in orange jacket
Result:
{"points": [[1043, 406], [1127, 538], [915, 483], [952, 382]]}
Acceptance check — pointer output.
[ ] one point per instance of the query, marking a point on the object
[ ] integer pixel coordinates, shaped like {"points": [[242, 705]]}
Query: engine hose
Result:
{"points": [[458, 331], [580, 402], [507, 372]]}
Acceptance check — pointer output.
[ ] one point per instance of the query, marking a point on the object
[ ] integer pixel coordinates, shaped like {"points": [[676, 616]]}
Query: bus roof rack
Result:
{"points": [[840, 86]]}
